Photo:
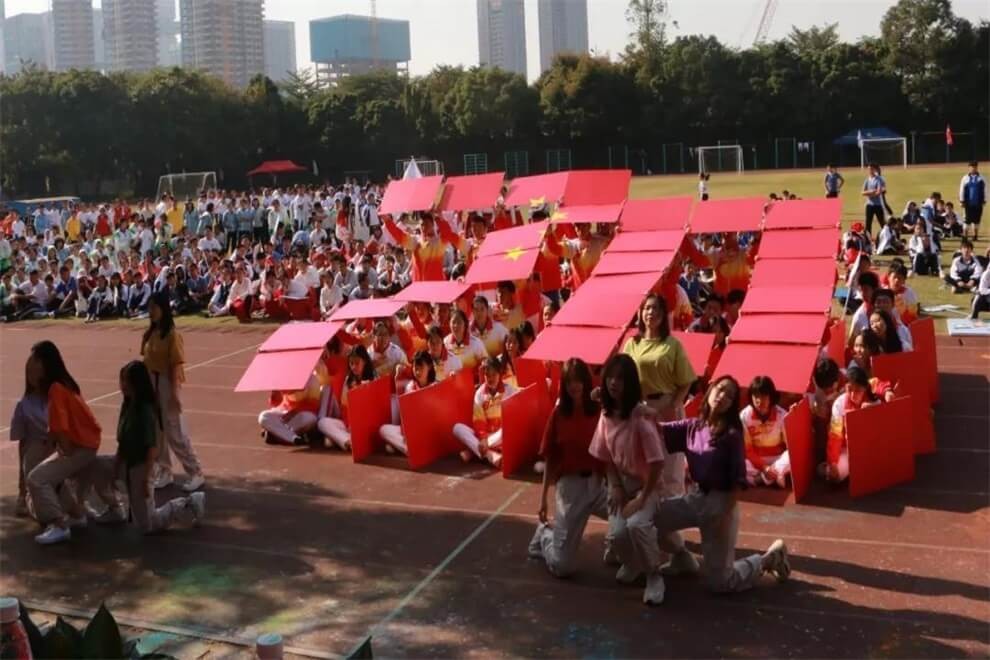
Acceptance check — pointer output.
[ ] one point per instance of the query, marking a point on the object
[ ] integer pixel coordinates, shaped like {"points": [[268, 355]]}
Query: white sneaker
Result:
{"points": [[681, 563], [626, 575], [113, 515], [495, 458], [536, 543], [610, 558], [777, 562], [53, 534], [539, 467], [197, 503], [195, 482], [163, 480], [655, 589]]}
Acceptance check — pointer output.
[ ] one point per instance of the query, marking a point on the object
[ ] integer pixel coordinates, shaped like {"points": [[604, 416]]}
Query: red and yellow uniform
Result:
{"points": [[763, 438], [487, 417], [427, 253], [584, 255]]}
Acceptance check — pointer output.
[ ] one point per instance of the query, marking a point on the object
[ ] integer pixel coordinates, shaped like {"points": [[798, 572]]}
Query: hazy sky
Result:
{"points": [[445, 31]]}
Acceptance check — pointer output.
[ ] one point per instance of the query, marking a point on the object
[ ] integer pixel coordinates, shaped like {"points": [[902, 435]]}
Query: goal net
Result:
{"points": [[723, 158], [187, 185], [425, 167], [883, 151]]}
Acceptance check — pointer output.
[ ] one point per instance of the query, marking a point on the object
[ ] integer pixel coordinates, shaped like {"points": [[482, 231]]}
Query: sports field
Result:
{"points": [[433, 564]]}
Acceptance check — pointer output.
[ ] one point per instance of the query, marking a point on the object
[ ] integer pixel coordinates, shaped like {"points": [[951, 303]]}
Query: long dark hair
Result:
{"points": [[53, 365], [858, 376], [728, 420], [664, 321], [424, 357], [367, 372], [576, 369], [631, 390], [892, 342], [164, 325], [137, 376]]}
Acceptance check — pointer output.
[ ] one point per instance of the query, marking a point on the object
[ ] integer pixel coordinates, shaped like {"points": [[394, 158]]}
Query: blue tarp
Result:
{"points": [[852, 137]]}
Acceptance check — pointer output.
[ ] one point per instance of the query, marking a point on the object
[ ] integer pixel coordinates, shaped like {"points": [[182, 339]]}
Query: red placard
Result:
{"points": [[283, 370], [368, 407], [297, 336], [524, 415], [668, 240], [698, 346], [506, 240], [800, 244], [740, 214], [603, 213], [409, 195], [478, 191], [372, 308], [559, 343], [906, 371], [530, 371], [923, 338], [536, 190], [879, 454], [789, 365], [586, 187], [780, 328], [440, 291], [652, 214], [428, 418], [804, 214], [627, 263], [516, 264], [464, 386], [800, 448], [792, 272], [788, 300]]}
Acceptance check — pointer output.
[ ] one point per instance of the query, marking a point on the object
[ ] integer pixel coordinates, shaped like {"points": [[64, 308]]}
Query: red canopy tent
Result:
{"points": [[276, 167]]}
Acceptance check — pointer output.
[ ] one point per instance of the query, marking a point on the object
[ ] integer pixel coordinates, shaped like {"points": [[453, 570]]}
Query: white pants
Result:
{"points": [[634, 539], [843, 464], [576, 498], [781, 464], [174, 437], [716, 516], [336, 431], [274, 422], [469, 439], [395, 409], [392, 434]]}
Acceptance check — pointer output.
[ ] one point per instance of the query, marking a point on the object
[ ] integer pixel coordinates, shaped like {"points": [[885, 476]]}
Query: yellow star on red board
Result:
{"points": [[559, 216], [537, 202], [515, 254]]}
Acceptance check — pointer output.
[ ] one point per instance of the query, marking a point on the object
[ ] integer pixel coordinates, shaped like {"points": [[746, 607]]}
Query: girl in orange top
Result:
{"points": [[76, 433]]}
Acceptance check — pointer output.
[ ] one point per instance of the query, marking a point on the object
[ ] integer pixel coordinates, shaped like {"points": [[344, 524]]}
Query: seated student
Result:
{"points": [[867, 283], [138, 296], [486, 328], [858, 394], [511, 351], [890, 241], [509, 312], [484, 440], [528, 336], [331, 297], [579, 488], [220, 302], [386, 357], [951, 226], [714, 447], [627, 442], [294, 414], [858, 239], [462, 344], [866, 345], [138, 428], [445, 363], [708, 320], [923, 253], [241, 297], [964, 275], [424, 375], [332, 421], [883, 300], [905, 301], [767, 459], [733, 302], [99, 304], [911, 216], [885, 327], [825, 378], [981, 296]]}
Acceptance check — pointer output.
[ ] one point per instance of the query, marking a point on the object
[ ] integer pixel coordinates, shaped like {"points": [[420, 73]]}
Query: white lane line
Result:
{"points": [[204, 363]]}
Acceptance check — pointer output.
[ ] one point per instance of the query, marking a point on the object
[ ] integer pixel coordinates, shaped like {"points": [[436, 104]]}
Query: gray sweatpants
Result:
{"points": [[30, 454], [144, 513], [634, 539], [716, 515], [576, 499], [175, 438], [72, 473]]}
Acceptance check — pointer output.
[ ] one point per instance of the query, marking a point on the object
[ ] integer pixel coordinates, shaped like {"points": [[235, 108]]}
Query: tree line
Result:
{"points": [[80, 130]]}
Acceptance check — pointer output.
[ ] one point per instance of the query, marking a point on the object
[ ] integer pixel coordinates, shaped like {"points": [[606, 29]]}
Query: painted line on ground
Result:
{"points": [[189, 368], [425, 582], [182, 631]]}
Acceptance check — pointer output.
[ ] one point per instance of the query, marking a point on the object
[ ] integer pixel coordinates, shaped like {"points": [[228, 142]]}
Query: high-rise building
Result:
{"points": [[130, 35], [169, 54], [563, 29], [223, 37], [347, 45], [28, 40], [99, 47], [72, 24], [280, 49], [3, 49], [502, 34]]}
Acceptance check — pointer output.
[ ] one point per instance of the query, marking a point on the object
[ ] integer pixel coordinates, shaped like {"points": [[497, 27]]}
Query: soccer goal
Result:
{"points": [[186, 185], [426, 167], [722, 158], [883, 151]]}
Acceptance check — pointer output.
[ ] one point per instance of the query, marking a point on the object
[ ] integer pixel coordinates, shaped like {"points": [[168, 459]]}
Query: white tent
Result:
{"points": [[412, 170]]}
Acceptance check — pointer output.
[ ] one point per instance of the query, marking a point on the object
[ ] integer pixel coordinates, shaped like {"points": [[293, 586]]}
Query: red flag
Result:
{"points": [[948, 135]]}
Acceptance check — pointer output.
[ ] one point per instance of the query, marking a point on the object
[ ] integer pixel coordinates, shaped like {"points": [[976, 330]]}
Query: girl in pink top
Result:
{"points": [[627, 441]]}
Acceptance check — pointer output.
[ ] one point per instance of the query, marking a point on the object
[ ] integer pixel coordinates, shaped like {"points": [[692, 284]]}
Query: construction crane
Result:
{"points": [[765, 21], [374, 34]]}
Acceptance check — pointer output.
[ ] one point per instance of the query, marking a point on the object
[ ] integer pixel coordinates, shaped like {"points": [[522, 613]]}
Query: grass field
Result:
{"points": [[903, 185]]}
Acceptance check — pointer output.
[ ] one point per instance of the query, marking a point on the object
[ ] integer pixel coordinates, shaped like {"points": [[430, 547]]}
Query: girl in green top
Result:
{"points": [[138, 427]]}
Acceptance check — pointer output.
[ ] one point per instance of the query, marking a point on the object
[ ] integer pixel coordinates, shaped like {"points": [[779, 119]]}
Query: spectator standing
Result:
{"points": [[973, 196]]}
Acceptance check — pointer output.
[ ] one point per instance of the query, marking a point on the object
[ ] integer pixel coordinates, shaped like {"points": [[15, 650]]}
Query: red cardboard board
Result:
{"points": [[923, 338], [800, 244], [780, 328], [523, 420], [789, 365], [800, 448], [368, 407], [880, 456], [653, 214], [296, 336], [739, 214], [283, 371], [906, 372], [409, 195], [559, 343], [792, 272], [804, 214], [666, 240], [428, 417], [477, 191]]}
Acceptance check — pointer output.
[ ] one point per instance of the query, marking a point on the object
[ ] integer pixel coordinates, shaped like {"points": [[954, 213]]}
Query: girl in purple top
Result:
{"points": [[713, 445]]}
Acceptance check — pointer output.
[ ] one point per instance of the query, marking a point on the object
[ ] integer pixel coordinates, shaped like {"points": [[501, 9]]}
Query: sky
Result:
{"points": [[445, 31]]}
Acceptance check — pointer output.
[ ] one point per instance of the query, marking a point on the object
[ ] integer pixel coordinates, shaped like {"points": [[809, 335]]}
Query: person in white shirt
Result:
{"points": [[924, 255], [981, 297], [18, 228], [331, 296], [137, 296], [306, 278], [318, 235], [703, 186], [964, 275], [208, 243], [30, 296], [277, 217], [145, 238], [385, 356], [344, 277]]}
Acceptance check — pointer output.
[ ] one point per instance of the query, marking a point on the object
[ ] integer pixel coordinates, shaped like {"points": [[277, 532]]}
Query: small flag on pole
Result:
{"points": [[948, 135]]}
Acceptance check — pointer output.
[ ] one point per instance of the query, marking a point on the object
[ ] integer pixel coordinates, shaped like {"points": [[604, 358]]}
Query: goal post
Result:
{"points": [[721, 158], [187, 185], [883, 151], [426, 167]]}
